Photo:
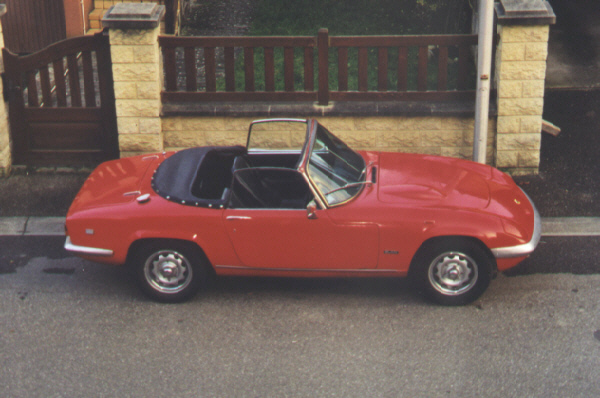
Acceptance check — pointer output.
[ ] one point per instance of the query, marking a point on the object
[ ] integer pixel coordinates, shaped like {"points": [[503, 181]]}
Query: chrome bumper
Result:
{"points": [[527, 248], [88, 251]]}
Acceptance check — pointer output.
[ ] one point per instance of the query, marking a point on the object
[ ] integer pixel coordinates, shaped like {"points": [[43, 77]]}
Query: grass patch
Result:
{"points": [[361, 17]]}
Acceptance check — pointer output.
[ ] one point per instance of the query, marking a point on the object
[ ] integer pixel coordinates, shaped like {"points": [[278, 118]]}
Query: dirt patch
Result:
{"points": [[569, 180], [31, 193], [574, 47]]}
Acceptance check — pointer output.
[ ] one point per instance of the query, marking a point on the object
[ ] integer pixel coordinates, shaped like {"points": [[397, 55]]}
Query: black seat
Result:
{"points": [[250, 191], [214, 172]]}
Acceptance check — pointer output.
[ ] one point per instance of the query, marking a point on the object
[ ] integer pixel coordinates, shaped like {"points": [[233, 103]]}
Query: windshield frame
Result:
{"points": [[357, 184], [273, 121]]}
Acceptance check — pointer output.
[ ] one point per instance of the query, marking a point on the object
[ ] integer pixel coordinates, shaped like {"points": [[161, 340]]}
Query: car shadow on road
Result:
{"points": [[396, 288]]}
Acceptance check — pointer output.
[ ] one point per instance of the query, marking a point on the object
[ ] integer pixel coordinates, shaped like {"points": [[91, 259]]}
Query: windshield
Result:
{"points": [[336, 170], [277, 135]]}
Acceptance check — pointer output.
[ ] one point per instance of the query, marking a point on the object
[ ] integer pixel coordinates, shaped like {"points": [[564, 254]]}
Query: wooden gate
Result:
{"points": [[30, 25], [62, 103]]}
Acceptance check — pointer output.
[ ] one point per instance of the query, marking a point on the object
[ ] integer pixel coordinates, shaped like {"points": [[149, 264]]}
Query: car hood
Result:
{"points": [[433, 181]]}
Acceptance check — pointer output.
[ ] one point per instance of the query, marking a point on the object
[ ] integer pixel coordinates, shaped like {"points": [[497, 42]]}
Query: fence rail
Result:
{"points": [[345, 68]]}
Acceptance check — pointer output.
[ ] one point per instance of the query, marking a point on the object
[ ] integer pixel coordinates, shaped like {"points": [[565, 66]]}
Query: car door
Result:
{"points": [[289, 239], [271, 233]]}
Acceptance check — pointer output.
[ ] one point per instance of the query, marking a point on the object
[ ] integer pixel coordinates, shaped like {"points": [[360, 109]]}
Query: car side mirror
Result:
{"points": [[311, 211]]}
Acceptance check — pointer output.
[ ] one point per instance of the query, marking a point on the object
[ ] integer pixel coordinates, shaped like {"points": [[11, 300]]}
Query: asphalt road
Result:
{"points": [[69, 327]]}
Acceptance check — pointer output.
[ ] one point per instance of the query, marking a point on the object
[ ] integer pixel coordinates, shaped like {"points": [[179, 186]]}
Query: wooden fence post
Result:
{"points": [[323, 46], [171, 16]]}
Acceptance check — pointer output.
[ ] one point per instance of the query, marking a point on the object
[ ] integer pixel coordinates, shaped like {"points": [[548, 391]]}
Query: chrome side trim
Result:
{"points": [[363, 270], [89, 251], [527, 248], [266, 151], [238, 218], [279, 120]]}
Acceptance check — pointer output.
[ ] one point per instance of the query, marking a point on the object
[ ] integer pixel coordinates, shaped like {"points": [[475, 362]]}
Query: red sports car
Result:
{"points": [[298, 202]]}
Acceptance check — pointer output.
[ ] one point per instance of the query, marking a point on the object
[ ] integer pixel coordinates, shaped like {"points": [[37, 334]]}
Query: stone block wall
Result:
{"points": [[137, 78], [520, 75], [5, 140], [447, 136]]}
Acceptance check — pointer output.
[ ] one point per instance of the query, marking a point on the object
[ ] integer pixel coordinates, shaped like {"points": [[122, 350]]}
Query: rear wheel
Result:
{"points": [[453, 271], [169, 271]]}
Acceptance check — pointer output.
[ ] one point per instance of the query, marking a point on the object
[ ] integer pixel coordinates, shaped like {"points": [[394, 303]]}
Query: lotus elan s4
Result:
{"points": [[296, 201]]}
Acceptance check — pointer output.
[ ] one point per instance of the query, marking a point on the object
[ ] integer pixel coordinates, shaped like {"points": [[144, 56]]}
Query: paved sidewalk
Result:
{"points": [[27, 226], [54, 226]]}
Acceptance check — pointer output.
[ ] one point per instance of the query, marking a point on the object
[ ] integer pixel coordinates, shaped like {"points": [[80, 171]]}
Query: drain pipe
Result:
{"points": [[83, 19], [484, 69]]}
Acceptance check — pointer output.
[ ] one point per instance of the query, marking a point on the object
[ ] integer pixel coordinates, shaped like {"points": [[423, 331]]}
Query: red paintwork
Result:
{"points": [[415, 198]]}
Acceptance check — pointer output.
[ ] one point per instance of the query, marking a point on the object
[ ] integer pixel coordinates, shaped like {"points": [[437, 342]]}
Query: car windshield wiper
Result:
{"points": [[363, 172]]}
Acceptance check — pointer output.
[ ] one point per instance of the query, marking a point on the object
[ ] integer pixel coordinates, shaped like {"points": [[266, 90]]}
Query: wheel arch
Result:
{"points": [[141, 243], [450, 238]]}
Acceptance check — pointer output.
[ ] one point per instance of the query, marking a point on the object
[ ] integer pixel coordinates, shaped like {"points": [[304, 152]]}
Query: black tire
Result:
{"points": [[169, 271], [452, 271]]}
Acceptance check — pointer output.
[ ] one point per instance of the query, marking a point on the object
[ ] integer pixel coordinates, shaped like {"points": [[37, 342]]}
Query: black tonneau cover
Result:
{"points": [[196, 176]]}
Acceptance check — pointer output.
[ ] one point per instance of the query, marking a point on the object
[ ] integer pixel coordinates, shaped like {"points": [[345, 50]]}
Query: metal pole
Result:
{"points": [[484, 68]]}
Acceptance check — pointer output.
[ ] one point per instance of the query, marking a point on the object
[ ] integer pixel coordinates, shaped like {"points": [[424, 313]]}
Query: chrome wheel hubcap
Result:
{"points": [[168, 271], [453, 273]]}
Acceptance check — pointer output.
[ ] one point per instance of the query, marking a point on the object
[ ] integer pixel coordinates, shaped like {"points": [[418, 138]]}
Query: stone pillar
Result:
{"points": [[137, 74], [5, 142], [523, 27]]}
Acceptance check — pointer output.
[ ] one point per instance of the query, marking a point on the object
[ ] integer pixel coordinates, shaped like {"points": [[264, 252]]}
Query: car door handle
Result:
{"points": [[238, 218]]}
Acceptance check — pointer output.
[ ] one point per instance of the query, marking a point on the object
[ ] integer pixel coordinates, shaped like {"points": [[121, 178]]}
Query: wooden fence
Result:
{"points": [[344, 68], [30, 25]]}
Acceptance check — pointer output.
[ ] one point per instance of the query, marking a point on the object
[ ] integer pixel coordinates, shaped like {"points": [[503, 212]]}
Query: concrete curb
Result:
{"points": [[26, 226], [571, 226], [54, 226]]}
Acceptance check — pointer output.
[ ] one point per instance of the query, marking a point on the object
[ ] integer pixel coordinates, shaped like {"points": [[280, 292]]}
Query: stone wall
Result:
{"points": [[5, 140], [137, 75], [447, 136], [523, 27], [520, 77]]}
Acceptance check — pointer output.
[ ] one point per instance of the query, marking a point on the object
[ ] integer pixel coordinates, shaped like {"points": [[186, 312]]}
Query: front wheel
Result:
{"points": [[169, 272], [453, 272]]}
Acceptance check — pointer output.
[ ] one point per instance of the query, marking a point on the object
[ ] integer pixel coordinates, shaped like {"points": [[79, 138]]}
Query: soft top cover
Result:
{"points": [[196, 176]]}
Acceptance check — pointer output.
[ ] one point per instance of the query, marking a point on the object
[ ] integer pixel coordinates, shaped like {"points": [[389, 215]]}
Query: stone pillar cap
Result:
{"points": [[133, 16], [525, 12]]}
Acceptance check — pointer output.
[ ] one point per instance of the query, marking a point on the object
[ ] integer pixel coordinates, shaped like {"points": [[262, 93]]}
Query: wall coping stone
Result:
{"points": [[308, 109], [524, 12], [133, 16]]}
